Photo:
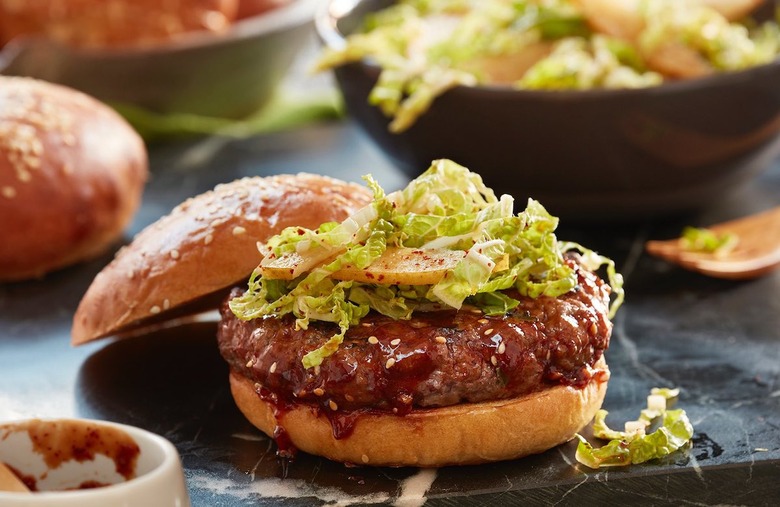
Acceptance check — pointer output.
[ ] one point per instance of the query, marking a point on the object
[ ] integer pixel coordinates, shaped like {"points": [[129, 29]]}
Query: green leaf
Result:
{"points": [[696, 239], [615, 453], [625, 448], [600, 428], [285, 110]]}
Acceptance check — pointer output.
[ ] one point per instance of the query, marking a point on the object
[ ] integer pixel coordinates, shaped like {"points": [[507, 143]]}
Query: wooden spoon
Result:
{"points": [[756, 254], [9, 481]]}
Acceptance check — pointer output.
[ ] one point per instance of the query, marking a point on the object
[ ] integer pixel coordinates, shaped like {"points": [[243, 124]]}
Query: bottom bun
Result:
{"points": [[462, 434]]}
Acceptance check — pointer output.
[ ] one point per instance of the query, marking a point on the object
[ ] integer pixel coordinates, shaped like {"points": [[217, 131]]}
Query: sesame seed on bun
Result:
{"points": [[206, 245]]}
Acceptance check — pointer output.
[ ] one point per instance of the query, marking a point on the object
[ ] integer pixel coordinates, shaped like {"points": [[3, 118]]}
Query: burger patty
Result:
{"points": [[435, 359]]}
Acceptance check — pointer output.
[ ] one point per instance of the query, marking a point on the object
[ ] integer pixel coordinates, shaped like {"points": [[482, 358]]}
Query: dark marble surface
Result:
{"points": [[718, 341]]}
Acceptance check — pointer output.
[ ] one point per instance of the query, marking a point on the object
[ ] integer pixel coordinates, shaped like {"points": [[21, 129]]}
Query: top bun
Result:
{"points": [[115, 23], [186, 260], [71, 176]]}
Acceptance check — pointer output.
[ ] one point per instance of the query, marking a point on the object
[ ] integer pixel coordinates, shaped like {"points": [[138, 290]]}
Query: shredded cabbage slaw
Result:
{"points": [[426, 47], [447, 207], [695, 239], [635, 445]]}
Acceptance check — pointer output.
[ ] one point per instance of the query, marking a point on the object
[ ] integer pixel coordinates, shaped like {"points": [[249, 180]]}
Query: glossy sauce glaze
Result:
{"points": [[65, 440], [435, 359]]}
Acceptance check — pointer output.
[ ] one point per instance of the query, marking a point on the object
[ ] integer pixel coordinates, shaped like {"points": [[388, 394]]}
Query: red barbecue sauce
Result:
{"points": [[65, 440]]}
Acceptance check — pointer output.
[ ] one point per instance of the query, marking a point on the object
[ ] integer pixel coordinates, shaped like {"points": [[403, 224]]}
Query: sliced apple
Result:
{"points": [[405, 266], [396, 266]]}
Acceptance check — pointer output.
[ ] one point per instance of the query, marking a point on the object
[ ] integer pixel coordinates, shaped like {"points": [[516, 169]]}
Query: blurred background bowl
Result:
{"points": [[586, 155], [230, 74]]}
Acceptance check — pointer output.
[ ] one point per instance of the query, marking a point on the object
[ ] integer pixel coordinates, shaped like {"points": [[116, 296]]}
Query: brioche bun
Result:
{"points": [[115, 23], [250, 8], [187, 260], [72, 173], [463, 434]]}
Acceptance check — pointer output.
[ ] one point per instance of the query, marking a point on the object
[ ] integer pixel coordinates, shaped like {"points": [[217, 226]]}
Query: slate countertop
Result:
{"points": [[718, 341]]}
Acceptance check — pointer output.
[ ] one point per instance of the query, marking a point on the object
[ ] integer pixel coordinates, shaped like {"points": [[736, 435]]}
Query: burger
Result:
{"points": [[432, 327], [427, 327]]}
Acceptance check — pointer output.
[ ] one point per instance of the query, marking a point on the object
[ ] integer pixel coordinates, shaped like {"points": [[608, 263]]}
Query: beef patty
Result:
{"points": [[435, 359]]}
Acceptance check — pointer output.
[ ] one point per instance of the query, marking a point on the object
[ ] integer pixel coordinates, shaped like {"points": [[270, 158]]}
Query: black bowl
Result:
{"points": [[590, 154]]}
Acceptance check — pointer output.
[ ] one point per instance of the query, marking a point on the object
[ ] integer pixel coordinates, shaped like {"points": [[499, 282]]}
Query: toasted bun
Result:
{"points": [[71, 176], [205, 246], [462, 434], [115, 23], [249, 8]]}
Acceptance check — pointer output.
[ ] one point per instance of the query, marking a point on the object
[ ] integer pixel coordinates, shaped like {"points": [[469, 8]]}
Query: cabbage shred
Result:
{"points": [[446, 207], [426, 47], [634, 447]]}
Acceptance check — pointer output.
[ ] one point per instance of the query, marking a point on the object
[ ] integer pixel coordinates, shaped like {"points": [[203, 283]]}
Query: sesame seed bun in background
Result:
{"points": [[188, 260], [72, 173], [115, 23], [249, 8]]}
